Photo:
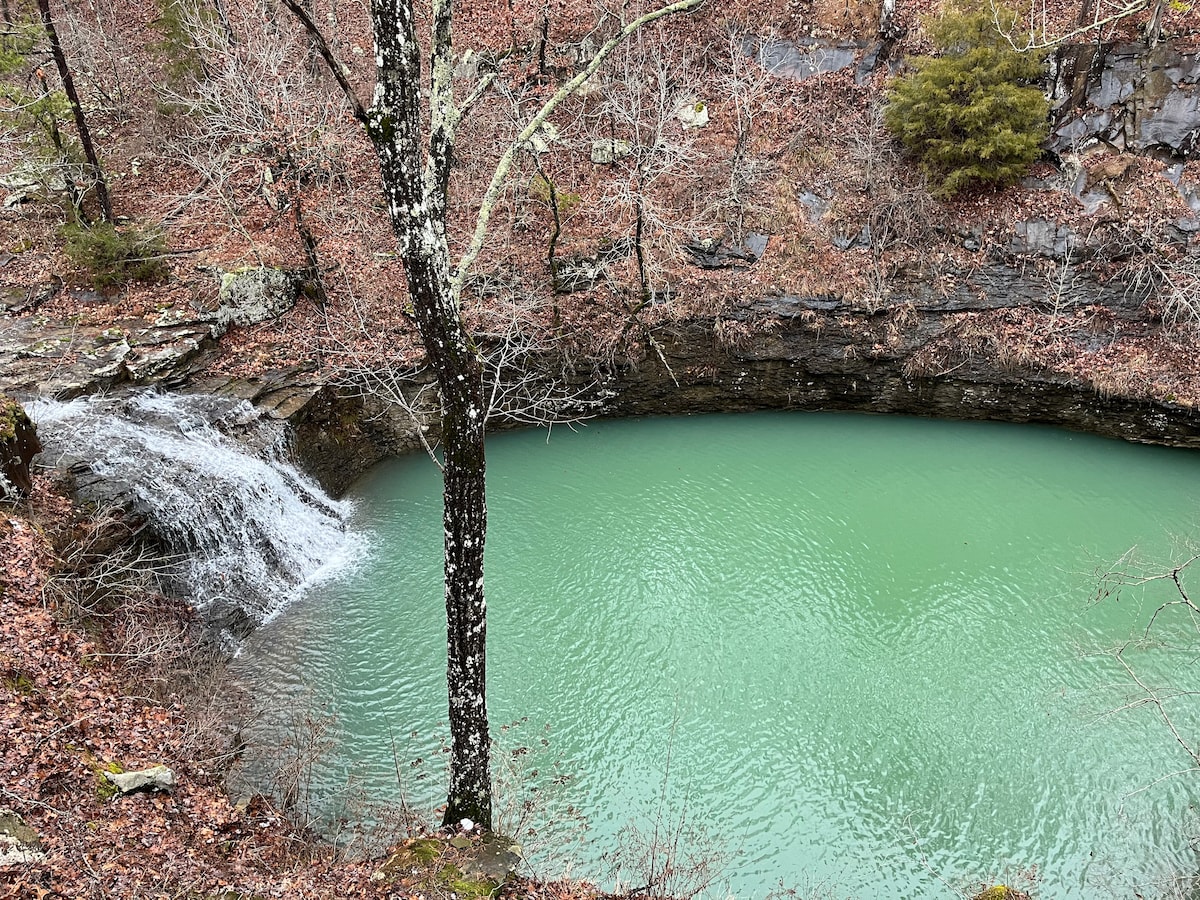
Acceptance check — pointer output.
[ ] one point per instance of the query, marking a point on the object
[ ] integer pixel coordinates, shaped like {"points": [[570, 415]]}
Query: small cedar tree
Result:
{"points": [[974, 115], [113, 257]]}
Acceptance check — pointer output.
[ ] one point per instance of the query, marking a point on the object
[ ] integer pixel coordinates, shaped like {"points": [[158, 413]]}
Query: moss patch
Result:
{"points": [[434, 866], [1001, 892], [105, 789], [12, 414]]}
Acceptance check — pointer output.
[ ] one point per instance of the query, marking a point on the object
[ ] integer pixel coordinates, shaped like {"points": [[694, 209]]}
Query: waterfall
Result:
{"points": [[251, 533]]}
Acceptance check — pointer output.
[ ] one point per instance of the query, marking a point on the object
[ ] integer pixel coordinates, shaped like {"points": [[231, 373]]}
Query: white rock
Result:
{"points": [[255, 294], [610, 150], [692, 113], [540, 140], [19, 844], [155, 778]]}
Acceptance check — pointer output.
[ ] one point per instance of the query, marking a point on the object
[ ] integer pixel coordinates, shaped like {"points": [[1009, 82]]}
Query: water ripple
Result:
{"points": [[857, 649]]}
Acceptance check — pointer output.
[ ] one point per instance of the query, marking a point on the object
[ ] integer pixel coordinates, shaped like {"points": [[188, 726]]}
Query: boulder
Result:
{"points": [[255, 294], [807, 57], [849, 239], [477, 864], [610, 150], [727, 252], [32, 181], [19, 844], [18, 445], [155, 778], [1039, 237], [692, 113], [582, 271], [493, 858], [540, 140]]}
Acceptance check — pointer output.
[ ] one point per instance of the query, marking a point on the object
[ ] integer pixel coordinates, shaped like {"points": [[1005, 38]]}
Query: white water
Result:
{"points": [[252, 533]]}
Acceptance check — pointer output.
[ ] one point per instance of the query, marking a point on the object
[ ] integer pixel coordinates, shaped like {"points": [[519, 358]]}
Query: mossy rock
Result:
{"points": [[1001, 892], [254, 294], [14, 827], [19, 844], [18, 445], [467, 867]]}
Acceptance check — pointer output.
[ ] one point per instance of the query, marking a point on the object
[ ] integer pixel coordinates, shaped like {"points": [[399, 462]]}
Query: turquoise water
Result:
{"points": [[848, 653]]}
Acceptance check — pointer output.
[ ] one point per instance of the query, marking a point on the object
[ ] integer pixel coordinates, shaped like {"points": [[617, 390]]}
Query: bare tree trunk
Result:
{"points": [[316, 282], [556, 232], [85, 135], [1085, 13], [543, 38], [415, 175], [417, 203], [226, 25], [314, 50], [1154, 26], [639, 237], [459, 376], [887, 24]]}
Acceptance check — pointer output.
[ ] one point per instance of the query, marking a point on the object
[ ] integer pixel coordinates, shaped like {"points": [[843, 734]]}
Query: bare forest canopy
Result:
{"points": [[726, 137]]}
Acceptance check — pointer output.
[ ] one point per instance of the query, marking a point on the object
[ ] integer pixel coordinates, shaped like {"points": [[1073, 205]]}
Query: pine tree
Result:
{"points": [[974, 115]]}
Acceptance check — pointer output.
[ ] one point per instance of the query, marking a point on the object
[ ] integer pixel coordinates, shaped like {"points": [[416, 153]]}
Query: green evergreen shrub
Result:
{"points": [[27, 102], [177, 47], [114, 256], [974, 115], [18, 40]]}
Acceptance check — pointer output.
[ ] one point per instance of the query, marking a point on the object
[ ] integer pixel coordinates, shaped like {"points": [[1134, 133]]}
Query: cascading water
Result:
{"points": [[250, 531]]}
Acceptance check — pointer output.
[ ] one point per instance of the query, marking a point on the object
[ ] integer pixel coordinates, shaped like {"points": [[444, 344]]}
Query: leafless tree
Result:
{"points": [[643, 96], [745, 83], [415, 145], [258, 115], [81, 125], [1169, 283], [93, 41], [1035, 32]]}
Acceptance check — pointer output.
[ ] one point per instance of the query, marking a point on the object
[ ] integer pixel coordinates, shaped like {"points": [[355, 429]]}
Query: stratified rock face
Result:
{"points": [[1130, 96], [18, 445], [65, 359]]}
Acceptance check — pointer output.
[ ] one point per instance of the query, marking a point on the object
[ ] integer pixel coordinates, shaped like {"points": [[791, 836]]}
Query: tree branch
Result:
{"points": [[494, 189], [335, 67], [1131, 8], [478, 91]]}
